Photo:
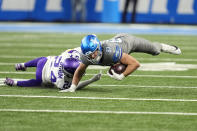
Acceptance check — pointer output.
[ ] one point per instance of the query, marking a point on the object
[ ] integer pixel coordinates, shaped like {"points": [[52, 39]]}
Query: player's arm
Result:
{"points": [[132, 65], [79, 73], [131, 62], [87, 82]]}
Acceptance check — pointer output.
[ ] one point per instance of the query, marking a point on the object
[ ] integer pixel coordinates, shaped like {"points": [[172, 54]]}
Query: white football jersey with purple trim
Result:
{"points": [[52, 72]]}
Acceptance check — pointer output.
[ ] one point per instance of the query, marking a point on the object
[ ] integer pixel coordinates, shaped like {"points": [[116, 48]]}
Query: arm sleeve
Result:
{"points": [[85, 60]]}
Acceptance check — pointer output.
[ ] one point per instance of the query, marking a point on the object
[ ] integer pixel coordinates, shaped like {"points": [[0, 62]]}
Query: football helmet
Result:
{"points": [[70, 65], [89, 45]]}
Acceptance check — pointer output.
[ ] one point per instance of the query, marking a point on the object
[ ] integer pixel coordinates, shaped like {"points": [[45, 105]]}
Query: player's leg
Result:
{"points": [[39, 63], [32, 82], [29, 83], [31, 63], [131, 44], [154, 48], [26, 83], [145, 46]]}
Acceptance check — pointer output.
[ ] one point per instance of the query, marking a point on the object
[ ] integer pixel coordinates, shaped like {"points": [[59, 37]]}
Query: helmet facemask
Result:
{"points": [[97, 59]]}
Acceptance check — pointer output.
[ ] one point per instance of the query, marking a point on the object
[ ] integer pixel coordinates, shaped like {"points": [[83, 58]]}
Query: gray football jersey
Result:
{"points": [[112, 53], [123, 43]]}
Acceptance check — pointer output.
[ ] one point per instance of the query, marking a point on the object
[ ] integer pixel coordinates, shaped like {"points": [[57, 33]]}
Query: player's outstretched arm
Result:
{"points": [[87, 82], [131, 62]]}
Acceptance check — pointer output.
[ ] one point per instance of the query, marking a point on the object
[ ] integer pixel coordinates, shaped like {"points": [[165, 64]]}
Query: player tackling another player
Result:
{"points": [[116, 50], [53, 71]]}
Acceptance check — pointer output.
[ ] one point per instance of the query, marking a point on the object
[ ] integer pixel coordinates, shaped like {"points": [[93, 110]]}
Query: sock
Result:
{"points": [[29, 83]]}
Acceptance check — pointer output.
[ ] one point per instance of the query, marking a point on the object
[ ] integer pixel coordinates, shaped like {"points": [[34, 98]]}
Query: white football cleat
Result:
{"points": [[172, 49]]}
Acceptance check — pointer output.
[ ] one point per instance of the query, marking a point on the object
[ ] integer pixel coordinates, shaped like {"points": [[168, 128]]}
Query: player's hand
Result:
{"points": [[67, 90], [71, 89], [116, 76]]}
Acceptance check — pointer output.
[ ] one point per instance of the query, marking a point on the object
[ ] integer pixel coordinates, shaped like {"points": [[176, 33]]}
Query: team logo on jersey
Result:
{"points": [[74, 54], [118, 54]]}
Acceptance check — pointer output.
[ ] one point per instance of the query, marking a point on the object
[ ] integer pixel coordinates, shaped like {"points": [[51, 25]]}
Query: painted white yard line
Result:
{"points": [[95, 85], [159, 66], [38, 45], [155, 76], [2, 63], [165, 59], [164, 76], [143, 86], [136, 86], [7, 72], [145, 59], [59, 45], [101, 98], [98, 112], [6, 56]]}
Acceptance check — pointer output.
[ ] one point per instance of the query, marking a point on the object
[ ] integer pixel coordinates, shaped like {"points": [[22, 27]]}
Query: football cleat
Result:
{"points": [[20, 66], [9, 82], [172, 49]]}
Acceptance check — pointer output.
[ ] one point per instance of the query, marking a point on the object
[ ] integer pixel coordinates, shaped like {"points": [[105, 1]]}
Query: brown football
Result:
{"points": [[118, 68]]}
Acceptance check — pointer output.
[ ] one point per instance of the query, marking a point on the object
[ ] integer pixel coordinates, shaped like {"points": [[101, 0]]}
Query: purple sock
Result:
{"points": [[38, 80], [34, 62], [29, 83]]}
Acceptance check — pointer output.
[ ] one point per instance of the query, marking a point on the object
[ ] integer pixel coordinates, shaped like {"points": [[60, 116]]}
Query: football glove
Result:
{"points": [[116, 76]]}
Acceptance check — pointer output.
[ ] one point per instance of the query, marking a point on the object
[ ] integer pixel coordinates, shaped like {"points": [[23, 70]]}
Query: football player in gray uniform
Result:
{"points": [[116, 50]]}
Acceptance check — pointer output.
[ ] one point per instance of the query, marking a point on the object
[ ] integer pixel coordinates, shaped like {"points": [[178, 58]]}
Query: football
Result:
{"points": [[118, 68]]}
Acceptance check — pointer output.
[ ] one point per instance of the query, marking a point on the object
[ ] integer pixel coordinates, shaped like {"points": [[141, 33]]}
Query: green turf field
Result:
{"points": [[145, 101]]}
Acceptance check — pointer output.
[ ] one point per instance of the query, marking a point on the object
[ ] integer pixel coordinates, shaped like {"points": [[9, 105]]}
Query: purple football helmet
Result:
{"points": [[70, 65]]}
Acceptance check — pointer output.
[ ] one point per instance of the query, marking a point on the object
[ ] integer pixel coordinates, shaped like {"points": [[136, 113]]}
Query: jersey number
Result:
{"points": [[53, 77], [116, 40], [56, 64]]}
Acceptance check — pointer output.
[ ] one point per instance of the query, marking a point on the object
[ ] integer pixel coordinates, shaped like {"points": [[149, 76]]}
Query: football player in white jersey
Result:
{"points": [[53, 70], [116, 50]]}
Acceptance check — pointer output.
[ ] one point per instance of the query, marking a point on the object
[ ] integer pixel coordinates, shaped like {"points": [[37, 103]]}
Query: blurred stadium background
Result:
{"points": [[145, 11], [161, 95]]}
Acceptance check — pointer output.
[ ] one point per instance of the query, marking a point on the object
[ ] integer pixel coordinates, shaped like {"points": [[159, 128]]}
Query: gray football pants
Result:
{"points": [[136, 44]]}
